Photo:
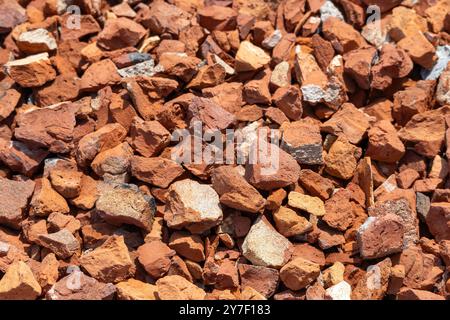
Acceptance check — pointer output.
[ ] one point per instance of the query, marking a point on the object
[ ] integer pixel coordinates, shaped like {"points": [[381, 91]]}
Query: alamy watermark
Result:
{"points": [[249, 145]]}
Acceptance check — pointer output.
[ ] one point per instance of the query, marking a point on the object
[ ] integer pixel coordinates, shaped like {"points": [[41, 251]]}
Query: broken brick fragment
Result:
{"points": [[384, 144], [126, 204], [88, 288], [19, 283], [342, 35], [109, 262], [380, 236], [303, 141], [99, 75], [15, 196]]}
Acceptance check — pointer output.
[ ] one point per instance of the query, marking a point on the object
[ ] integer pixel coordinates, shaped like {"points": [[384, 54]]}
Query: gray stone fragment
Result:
{"points": [[422, 205]]}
